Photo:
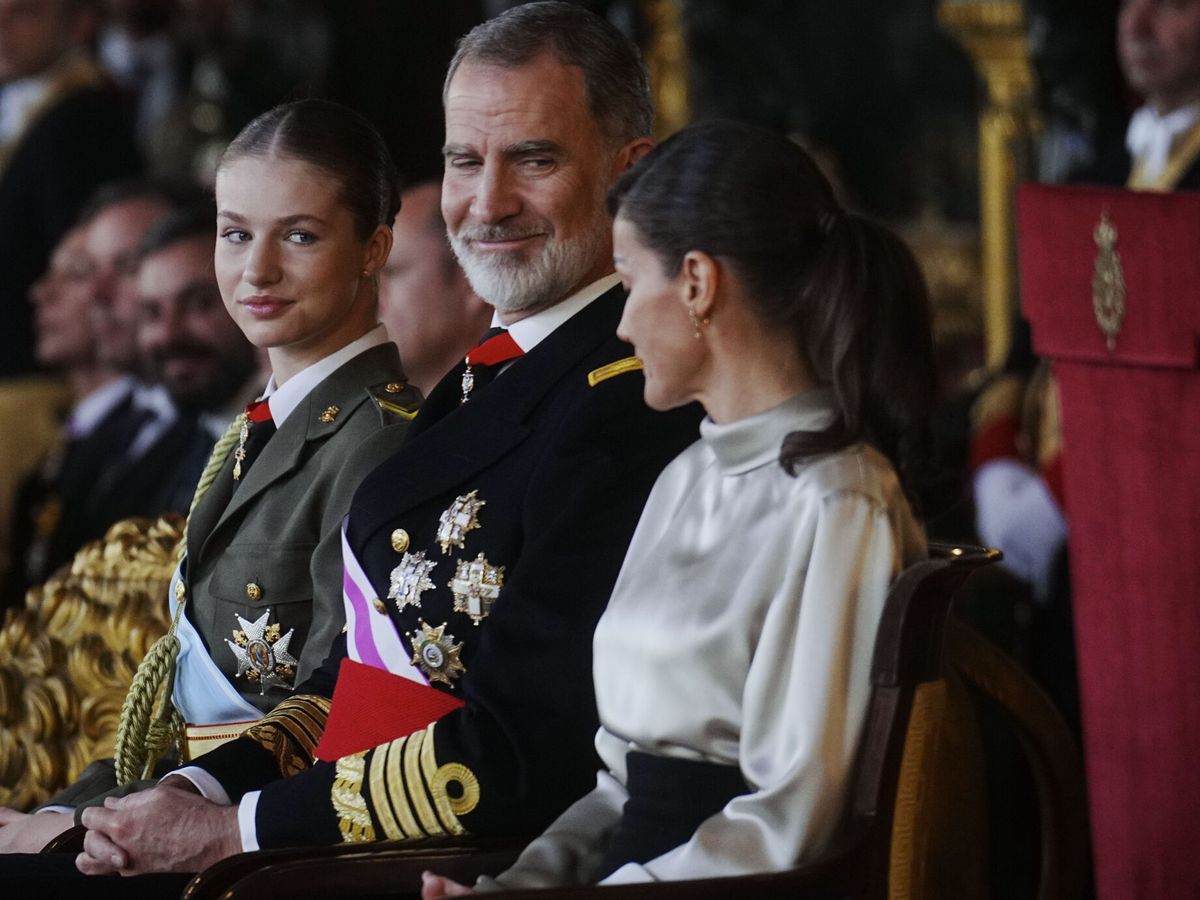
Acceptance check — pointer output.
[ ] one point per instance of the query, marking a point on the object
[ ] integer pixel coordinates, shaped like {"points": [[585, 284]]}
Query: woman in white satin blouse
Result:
{"points": [[732, 664]]}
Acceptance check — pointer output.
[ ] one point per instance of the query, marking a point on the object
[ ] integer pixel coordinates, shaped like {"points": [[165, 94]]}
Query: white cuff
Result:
{"points": [[630, 873], [206, 784], [69, 810], [246, 812]]}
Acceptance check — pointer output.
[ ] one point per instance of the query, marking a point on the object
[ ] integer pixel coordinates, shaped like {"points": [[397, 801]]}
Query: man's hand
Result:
{"points": [[25, 833], [435, 887], [163, 829]]}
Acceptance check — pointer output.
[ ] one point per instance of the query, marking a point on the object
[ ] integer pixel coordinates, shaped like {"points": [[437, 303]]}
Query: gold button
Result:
{"points": [[329, 415], [253, 592], [400, 540], [379, 607], [393, 387], [180, 591]]}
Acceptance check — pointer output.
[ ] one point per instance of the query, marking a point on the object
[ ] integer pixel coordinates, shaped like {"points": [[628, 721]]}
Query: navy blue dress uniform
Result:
{"points": [[491, 542]]}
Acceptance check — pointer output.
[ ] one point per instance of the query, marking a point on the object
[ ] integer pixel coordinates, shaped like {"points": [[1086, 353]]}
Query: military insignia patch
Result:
{"points": [[455, 522], [262, 655], [476, 585], [410, 579], [436, 654]]}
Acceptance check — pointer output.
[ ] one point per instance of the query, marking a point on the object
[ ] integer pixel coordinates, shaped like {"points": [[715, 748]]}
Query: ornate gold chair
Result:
{"points": [[918, 827], [67, 658]]}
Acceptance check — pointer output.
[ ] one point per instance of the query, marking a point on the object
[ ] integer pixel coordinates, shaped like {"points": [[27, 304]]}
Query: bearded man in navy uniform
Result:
{"points": [[479, 557]]}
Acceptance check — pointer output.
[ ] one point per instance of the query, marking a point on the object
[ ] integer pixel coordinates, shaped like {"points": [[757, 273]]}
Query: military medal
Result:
{"points": [[239, 453], [468, 383], [410, 579], [455, 522], [497, 349], [435, 653], [262, 655], [476, 585]]}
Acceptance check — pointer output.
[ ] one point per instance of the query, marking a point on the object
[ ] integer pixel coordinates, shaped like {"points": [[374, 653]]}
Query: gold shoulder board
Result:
{"points": [[613, 369]]}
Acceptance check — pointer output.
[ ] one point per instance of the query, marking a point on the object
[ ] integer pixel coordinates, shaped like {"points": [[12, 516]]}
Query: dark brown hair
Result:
{"points": [[336, 139], [618, 88], [847, 289]]}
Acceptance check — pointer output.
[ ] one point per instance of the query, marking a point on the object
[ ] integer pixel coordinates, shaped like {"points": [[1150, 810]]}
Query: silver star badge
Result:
{"points": [[410, 579], [262, 655], [455, 522]]}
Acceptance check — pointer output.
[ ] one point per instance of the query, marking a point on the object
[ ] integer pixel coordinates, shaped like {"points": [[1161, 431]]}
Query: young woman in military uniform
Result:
{"points": [[306, 195]]}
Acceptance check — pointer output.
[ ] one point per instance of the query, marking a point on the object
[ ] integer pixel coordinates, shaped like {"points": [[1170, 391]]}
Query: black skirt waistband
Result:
{"points": [[668, 799]]}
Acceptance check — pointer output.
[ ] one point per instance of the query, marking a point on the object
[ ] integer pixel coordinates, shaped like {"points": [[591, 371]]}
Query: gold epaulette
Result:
{"points": [[613, 369], [398, 399]]}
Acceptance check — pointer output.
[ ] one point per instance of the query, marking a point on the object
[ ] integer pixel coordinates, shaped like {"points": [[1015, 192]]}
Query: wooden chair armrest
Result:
{"points": [[351, 870]]}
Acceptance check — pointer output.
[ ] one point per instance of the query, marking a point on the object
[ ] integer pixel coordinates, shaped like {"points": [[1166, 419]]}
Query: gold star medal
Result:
{"points": [[436, 654], [461, 517], [410, 579], [476, 585], [262, 655]]}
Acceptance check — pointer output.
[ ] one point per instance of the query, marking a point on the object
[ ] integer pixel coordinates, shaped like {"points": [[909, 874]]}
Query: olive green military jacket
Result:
{"points": [[270, 543]]}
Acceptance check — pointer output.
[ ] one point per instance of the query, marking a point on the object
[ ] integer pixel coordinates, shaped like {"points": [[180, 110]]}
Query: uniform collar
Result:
{"points": [[287, 397], [533, 329]]}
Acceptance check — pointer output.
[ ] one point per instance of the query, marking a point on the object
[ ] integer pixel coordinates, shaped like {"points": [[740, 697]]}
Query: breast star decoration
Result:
{"points": [[410, 579], [436, 654], [461, 517], [262, 655], [476, 585]]}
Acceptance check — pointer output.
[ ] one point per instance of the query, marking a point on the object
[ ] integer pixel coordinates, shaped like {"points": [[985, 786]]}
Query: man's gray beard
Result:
{"points": [[552, 275]]}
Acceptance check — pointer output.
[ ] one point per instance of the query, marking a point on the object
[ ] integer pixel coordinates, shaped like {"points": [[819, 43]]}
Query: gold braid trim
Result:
{"points": [[291, 731], [140, 742], [354, 822], [410, 794]]}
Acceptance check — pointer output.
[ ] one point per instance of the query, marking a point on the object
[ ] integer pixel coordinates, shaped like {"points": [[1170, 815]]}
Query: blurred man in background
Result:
{"points": [[425, 300]]}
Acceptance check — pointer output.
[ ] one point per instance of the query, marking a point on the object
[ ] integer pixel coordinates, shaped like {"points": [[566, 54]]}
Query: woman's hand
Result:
{"points": [[435, 887]]}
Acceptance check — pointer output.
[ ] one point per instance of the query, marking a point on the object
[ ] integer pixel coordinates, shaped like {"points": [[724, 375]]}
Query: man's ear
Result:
{"points": [[628, 156], [700, 280]]}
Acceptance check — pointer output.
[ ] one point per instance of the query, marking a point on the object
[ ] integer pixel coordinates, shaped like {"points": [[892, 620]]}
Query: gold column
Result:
{"points": [[666, 58], [993, 33]]}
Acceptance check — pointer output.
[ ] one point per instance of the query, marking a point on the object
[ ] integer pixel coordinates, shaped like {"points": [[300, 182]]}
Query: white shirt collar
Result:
{"points": [[17, 100], [91, 410], [533, 329], [1150, 136], [287, 397]]}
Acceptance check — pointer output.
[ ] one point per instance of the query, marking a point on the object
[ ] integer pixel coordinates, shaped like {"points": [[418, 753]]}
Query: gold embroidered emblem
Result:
{"points": [[393, 387], [436, 654], [262, 655], [1108, 282], [461, 517], [329, 414], [410, 579], [476, 585]]}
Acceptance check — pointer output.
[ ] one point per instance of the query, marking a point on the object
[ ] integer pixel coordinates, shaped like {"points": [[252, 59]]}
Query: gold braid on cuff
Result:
{"points": [[291, 730]]}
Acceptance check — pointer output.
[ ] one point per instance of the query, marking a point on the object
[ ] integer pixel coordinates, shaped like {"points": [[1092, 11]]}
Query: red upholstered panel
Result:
{"points": [[1131, 477], [1158, 239]]}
